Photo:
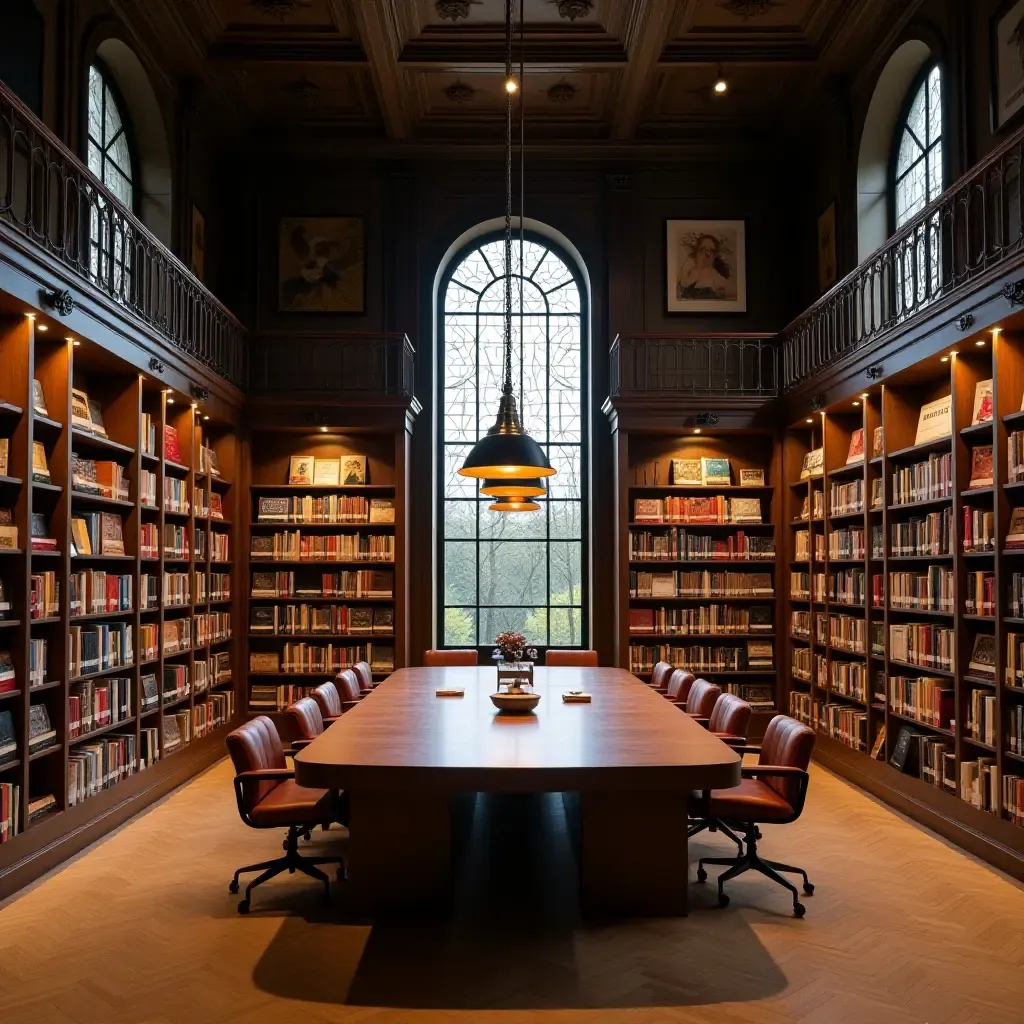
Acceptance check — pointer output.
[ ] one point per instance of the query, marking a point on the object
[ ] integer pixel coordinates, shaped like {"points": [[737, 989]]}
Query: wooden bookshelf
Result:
{"points": [[851, 724], [366, 617], [123, 393], [644, 473]]}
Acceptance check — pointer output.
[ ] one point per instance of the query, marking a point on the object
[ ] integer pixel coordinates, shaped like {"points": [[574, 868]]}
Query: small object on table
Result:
{"points": [[452, 691], [575, 697]]}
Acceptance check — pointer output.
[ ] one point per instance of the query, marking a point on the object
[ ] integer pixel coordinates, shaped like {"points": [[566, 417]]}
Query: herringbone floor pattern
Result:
{"points": [[142, 930]]}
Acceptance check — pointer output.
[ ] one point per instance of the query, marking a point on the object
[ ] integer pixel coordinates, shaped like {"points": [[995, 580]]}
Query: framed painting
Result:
{"points": [[1007, 62], [321, 265], [828, 272], [706, 266]]}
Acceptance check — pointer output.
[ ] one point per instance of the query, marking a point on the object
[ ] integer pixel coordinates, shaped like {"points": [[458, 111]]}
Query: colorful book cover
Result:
{"points": [[982, 403]]}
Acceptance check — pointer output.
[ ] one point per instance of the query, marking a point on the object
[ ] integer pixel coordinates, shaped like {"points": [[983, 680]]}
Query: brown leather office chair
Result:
{"points": [[701, 699], [660, 676], [334, 702], [453, 657], [305, 721], [364, 674], [269, 797], [679, 684], [347, 684], [580, 659], [771, 792]]}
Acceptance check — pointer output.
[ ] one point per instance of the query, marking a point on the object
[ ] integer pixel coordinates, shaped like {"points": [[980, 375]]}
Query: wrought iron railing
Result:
{"points": [[657, 365], [967, 232], [48, 196], [348, 366]]}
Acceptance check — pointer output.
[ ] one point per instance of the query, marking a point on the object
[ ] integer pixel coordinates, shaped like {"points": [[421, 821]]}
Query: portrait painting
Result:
{"points": [[353, 470], [321, 265], [828, 271], [1007, 63], [706, 265]]}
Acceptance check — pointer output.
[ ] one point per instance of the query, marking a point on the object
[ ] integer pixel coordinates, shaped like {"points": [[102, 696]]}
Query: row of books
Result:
{"points": [[849, 678], [922, 644], [10, 810], [923, 481], [311, 618], [682, 545], [44, 595], [755, 655], [846, 724], [98, 647], [712, 509], [303, 658], [846, 498], [979, 783], [923, 535], [700, 584], [979, 530], [95, 704], [176, 496], [97, 533], [981, 593], [847, 542], [813, 509], [98, 765], [923, 698], [760, 696], [703, 620], [362, 583], [95, 592], [294, 546], [104, 479], [208, 504], [217, 710], [325, 509], [982, 720], [268, 697], [931, 590], [846, 586], [845, 632]]}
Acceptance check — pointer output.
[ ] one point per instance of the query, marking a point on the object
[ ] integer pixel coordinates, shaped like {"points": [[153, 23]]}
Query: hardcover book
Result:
{"points": [[264, 584], [8, 531], [5, 605], [935, 420], [981, 466], [96, 418], [40, 470], [758, 695], [648, 510], [382, 510], [172, 449], [273, 510], [38, 398], [983, 657], [814, 464], [876, 443], [663, 584], [7, 675], [751, 478], [759, 617], [360, 620], [982, 403], [759, 654], [353, 470], [903, 753], [111, 538], [80, 536], [745, 510], [300, 469], [261, 619], [150, 693], [38, 531], [8, 744], [878, 750], [715, 472], [261, 546], [686, 471], [327, 472], [83, 475], [216, 506], [80, 410], [5, 452], [264, 661], [41, 733], [383, 620], [856, 450], [1015, 534]]}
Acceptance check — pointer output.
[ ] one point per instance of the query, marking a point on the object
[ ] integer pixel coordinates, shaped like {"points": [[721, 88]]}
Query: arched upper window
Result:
{"points": [[109, 154], [526, 570], [917, 167]]}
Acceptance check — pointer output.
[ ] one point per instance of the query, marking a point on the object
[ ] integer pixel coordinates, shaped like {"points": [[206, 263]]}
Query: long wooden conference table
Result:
{"points": [[403, 753]]}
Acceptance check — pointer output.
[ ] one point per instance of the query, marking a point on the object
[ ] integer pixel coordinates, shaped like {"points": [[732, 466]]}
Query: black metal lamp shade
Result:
{"points": [[505, 452], [513, 505], [532, 488]]}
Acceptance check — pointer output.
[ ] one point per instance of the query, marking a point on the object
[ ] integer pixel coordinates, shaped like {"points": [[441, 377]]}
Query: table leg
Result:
{"points": [[633, 853], [400, 851]]}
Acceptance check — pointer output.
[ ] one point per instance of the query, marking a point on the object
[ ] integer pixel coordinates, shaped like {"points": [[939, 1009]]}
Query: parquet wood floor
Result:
{"points": [[141, 929]]}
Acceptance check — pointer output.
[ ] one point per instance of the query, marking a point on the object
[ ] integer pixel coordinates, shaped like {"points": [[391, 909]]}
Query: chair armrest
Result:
{"points": [[780, 770], [331, 720], [348, 705], [365, 691], [700, 719], [749, 748], [265, 775], [298, 745], [729, 739]]}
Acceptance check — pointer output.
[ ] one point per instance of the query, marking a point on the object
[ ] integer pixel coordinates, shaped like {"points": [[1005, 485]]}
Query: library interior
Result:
{"points": [[491, 472]]}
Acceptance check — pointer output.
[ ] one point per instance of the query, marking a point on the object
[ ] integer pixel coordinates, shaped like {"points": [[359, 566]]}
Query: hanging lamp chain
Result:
{"points": [[507, 384]]}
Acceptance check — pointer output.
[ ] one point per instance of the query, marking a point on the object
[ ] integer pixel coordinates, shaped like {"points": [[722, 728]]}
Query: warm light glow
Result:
{"points": [[170, 401], [42, 327], [952, 351], [514, 506], [206, 417], [511, 86], [31, 316], [508, 472], [696, 430], [864, 395], [516, 489], [323, 430], [980, 344], [194, 406], [856, 403], [809, 420], [76, 343], [721, 86], [944, 359]]}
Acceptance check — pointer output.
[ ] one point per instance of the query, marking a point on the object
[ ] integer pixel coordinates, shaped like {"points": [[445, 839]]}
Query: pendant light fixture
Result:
{"points": [[514, 505], [506, 452], [514, 488]]}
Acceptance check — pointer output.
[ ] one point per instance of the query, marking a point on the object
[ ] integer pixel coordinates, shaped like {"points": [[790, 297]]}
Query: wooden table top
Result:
{"points": [[403, 736]]}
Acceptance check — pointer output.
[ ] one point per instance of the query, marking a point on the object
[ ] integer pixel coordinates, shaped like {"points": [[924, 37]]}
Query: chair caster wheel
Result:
{"points": [[702, 875], [233, 887], [799, 910], [243, 907], [808, 889], [723, 899]]}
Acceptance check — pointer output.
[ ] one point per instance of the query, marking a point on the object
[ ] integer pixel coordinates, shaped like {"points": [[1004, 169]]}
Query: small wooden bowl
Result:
{"points": [[515, 703]]}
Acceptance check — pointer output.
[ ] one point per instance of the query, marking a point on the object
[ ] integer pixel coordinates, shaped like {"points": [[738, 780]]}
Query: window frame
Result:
{"points": [[456, 261], [110, 82], [897, 138]]}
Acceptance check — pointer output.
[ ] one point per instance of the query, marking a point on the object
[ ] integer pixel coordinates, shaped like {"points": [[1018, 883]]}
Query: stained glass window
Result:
{"points": [[109, 158], [523, 571]]}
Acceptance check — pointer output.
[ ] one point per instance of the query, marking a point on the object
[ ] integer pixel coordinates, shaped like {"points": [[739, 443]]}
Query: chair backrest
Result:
{"points": [[253, 745], [453, 657], [328, 699], [305, 719], [347, 684], [731, 715], [679, 684], [702, 698], [364, 674], [582, 659], [660, 675], [790, 743]]}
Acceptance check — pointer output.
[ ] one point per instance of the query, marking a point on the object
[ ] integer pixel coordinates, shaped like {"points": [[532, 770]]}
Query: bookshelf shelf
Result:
{"points": [[700, 489], [45, 686], [55, 748], [915, 451], [94, 733], [101, 616], [8, 410], [85, 498], [977, 430], [45, 423], [384, 489], [10, 481], [40, 485], [85, 439], [911, 506]]}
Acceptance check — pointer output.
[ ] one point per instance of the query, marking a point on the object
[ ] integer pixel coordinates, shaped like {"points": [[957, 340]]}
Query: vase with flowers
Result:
{"points": [[515, 673]]}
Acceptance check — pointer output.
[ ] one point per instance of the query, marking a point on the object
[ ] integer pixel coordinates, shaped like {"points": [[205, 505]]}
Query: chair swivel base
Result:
{"points": [[291, 862], [751, 861]]}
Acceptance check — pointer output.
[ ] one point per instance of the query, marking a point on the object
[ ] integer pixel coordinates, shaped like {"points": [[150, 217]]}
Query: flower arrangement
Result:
{"points": [[511, 646]]}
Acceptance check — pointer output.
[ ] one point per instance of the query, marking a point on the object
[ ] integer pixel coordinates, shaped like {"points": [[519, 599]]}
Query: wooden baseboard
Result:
{"points": [[55, 840], [991, 839]]}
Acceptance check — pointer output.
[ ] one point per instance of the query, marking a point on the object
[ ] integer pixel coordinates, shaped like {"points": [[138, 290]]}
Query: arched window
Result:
{"points": [[109, 154], [526, 570], [917, 167]]}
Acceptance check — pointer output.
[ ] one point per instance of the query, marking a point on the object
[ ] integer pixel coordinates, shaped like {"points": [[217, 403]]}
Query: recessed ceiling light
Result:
{"points": [[864, 395], [170, 401], [856, 403], [809, 420], [206, 417], [42, 327], [511, 86], [980, 343], [696, 430], [76, 343], [323, 430], [944, 359], [952, 351], [721, 86]]}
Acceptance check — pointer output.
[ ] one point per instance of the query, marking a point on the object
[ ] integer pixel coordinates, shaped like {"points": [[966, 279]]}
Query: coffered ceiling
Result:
{"points": [[432, 70]]}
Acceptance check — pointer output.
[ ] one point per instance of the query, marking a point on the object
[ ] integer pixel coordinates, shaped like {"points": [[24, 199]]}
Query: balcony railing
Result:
{"points": [[655, 365], [48, 196], [967, 232], [351, 366]]}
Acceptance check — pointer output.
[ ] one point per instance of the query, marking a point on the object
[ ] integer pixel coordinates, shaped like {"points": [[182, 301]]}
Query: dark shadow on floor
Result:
{"points": [[515, 938]]}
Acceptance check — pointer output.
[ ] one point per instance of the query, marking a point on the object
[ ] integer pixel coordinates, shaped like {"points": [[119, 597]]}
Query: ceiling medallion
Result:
{"points": [[746, 9], [561, 92], [278, 8], [459, 92], [452, 10], [304, 92], [573, 9]]}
